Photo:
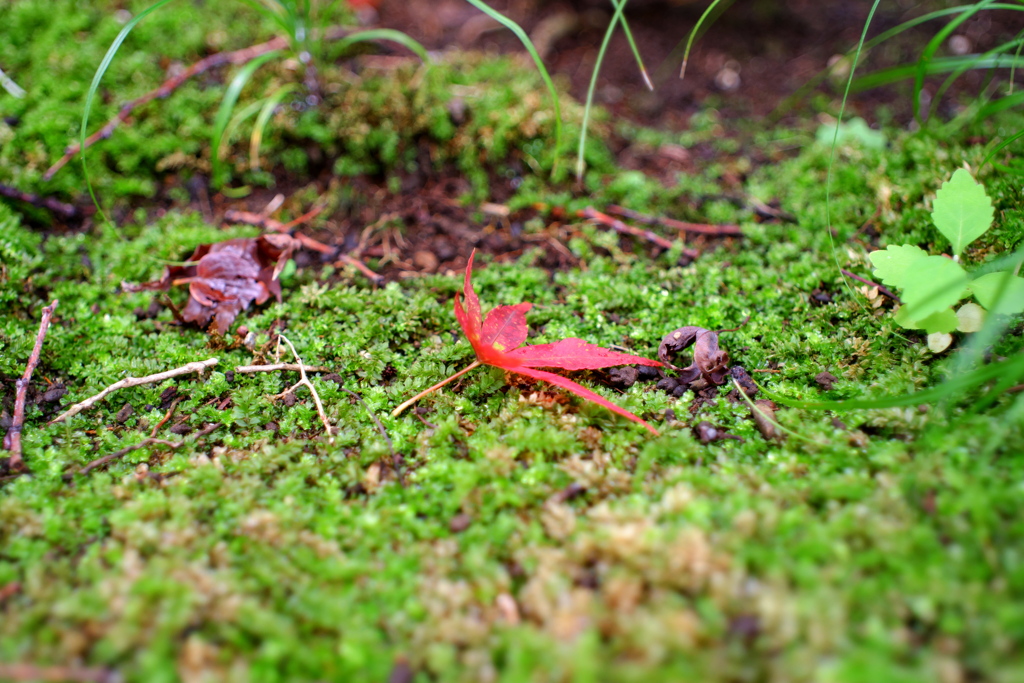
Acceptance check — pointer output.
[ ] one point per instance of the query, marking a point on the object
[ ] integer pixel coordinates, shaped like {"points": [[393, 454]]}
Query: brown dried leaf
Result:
{"points": [[709, 361], [225, 278]]}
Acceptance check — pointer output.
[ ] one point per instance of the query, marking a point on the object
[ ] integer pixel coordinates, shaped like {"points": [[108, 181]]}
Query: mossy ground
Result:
{"points": [[523, 537]]}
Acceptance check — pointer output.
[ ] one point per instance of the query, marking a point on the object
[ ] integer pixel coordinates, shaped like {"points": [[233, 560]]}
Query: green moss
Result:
{"points": [[520, 538]]}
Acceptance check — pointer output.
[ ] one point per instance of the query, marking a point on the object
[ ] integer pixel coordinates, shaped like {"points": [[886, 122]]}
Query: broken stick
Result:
{"points": [[682, 226], [623, 229], [198, 366], [13, 439]]}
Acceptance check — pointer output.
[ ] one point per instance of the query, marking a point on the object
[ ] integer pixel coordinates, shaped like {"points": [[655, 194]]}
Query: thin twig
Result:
{"points": [[398, 411], [166, 417], [623, 229], [48, 203], [149, 441], [683, 226], [198, 366], [12, 441], [236, 57], [880, 288], [78, 674], [309, 385], [10, 590], [375, 278], [277, 367]]}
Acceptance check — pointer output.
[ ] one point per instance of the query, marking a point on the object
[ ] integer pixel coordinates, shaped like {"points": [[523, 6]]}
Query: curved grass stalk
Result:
{"points": [[619, 7], [832, 151], [269, 106], [693, 35], [1013, 367], [924, 61], [814, 82], [519, 33], [959, 70], [227, 107], [94, 86], [386, 34]]}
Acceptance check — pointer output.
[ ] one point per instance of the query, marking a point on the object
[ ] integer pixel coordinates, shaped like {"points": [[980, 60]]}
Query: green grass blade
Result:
{"points": [[94, 86], [818, 78], [959, 70], [935, 66], [619, 7], [924, 61], [237, 119], [1001, 146], [227, 106], [519, 33], [835, 142], [385, 34], [267, 110], [632, 45], [693, 36], [1013, 367]]}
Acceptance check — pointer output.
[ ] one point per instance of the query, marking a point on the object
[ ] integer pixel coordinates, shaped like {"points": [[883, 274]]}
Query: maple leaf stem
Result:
{"points": [[398, 411]]}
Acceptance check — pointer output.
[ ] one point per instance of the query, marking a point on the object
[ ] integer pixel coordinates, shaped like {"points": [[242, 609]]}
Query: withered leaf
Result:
{"points": [[709, 362], [225, 278]]}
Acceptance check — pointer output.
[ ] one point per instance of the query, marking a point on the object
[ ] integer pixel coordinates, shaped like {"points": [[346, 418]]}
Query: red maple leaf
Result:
{"points": [[497, 340]]}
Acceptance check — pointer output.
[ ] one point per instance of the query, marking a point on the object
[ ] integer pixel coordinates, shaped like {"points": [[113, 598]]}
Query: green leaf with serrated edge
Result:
{"points": [[892, 262], [962, 211], [943, 321], [1000, 292], [932, 284]]}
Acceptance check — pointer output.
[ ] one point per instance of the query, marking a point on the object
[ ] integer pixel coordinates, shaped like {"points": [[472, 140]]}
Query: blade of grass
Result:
{"points": [[519, 33], [269, 106], [924, 61], [693, 35], [1013, 367], [787, 104], [619, 7], [832, 151], [632, 45], [385, 34], [94, 86], [958, 71], [227, 106], [935, 66]]}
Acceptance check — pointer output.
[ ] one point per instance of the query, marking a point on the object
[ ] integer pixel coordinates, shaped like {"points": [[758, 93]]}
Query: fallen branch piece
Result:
{"points": [[309, 385], [52, 205], [683, 226], [149, 441], [623, 229], [198, 366], [276, 367], [880, 288], [12, 441]]}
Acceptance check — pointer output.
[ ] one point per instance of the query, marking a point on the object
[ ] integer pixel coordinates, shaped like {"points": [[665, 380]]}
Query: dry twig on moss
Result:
{"points": [[682, 226], [623, 229], [276, 367], [78, 674], [198, 366], [12, 441], [309, 385], [49, 203]]}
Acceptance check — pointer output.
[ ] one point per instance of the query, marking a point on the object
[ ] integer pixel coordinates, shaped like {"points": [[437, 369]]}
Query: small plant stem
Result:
{"points": [[398, 411], [881, 289], [13, 439]]}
